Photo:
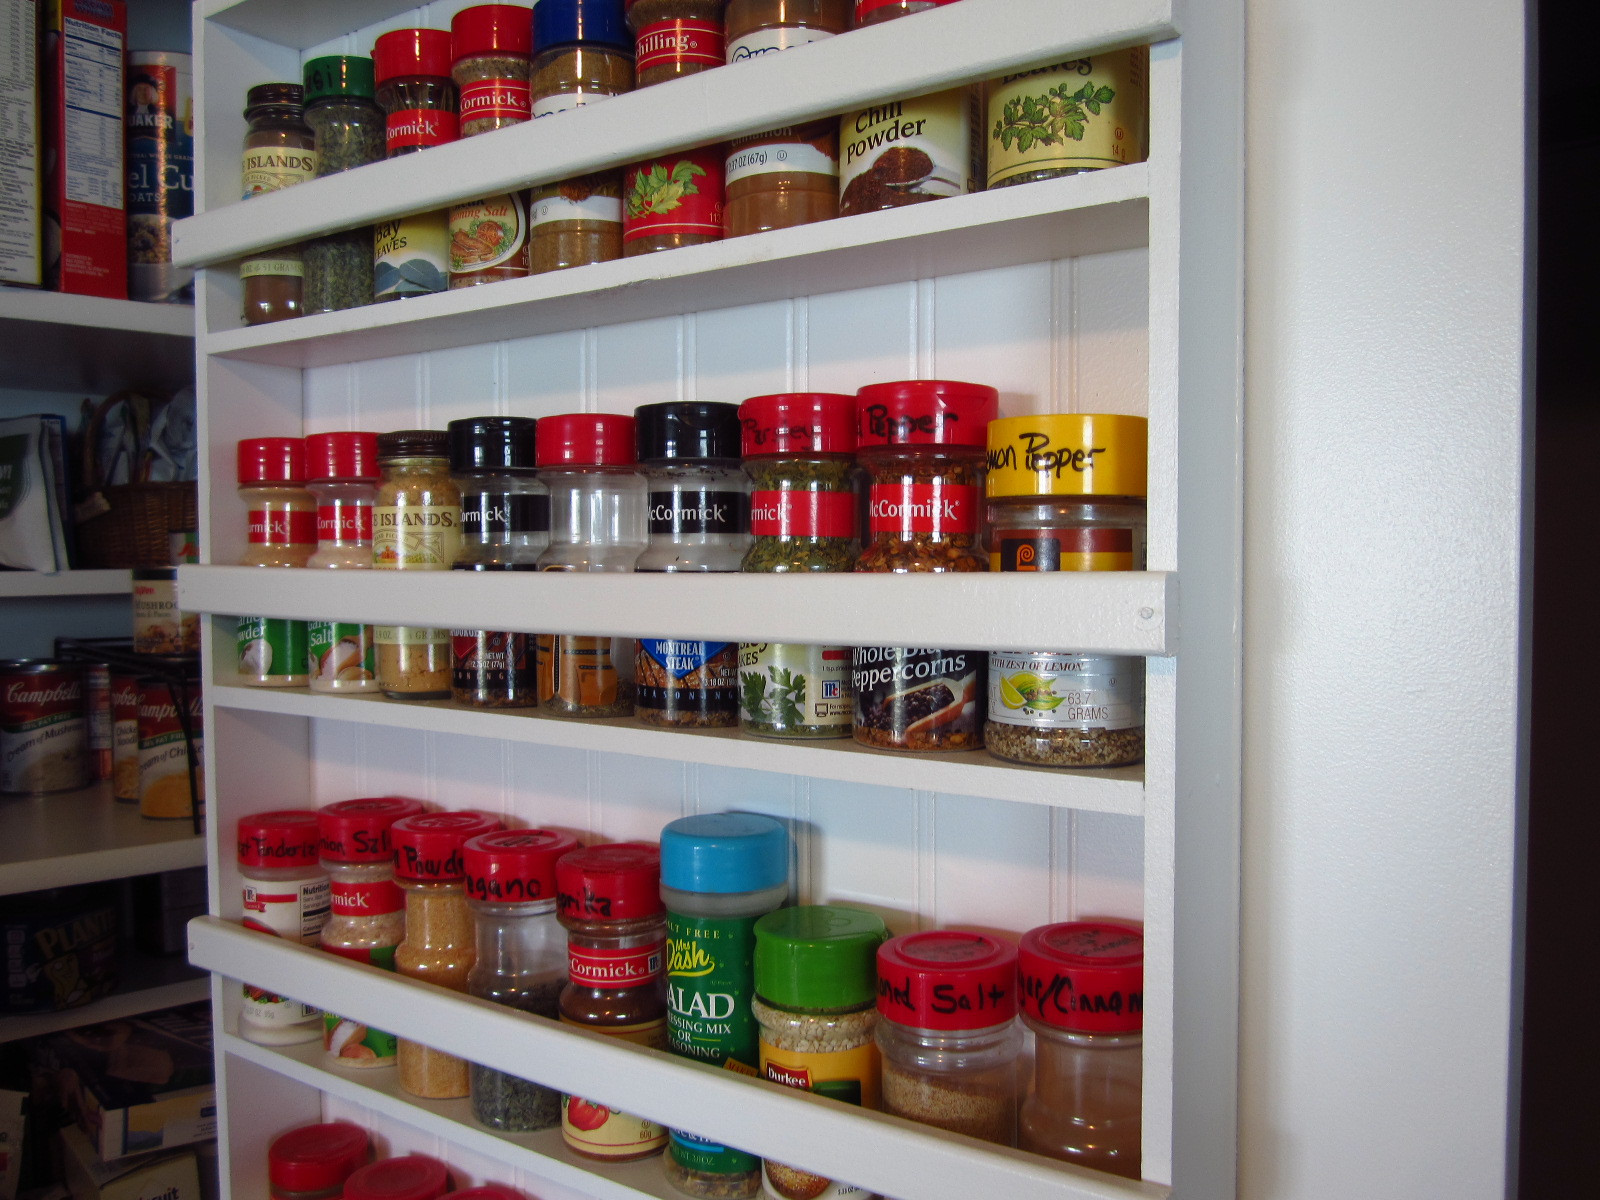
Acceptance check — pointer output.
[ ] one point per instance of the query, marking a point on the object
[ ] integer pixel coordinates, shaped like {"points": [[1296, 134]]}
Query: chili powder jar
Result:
{"points": [[608, 899], [922, 444], [285, 894], [418, 96], [279, 152], [313, 1161], [416, 526], [1066, 493], [273, 652], [675, 37]]}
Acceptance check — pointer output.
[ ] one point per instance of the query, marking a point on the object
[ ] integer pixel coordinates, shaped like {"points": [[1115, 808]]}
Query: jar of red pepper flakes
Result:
{"points": [[923, 443], [673, 200], [673, 38]]}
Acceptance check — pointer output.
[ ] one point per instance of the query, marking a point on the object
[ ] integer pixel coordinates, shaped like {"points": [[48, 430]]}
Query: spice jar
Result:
{"points": [[342, 473], [597, 523], [1066, 493], [799, 450], [673, 201], [948, 1037], [782, 178], [699, 504], [521, 959], [876, 12], [505, 523], [1083, 996], [285, 895], [922, 445], [816, 982], [282, 533], [609, 900], [438, 947], [719, 873], [757, 27], [1074, 116], [418, 96], [367, 921], [416, 526], [675, 37], [583, 53], [349, 130], [409, 1177], [313, 1161], [279, 152]]}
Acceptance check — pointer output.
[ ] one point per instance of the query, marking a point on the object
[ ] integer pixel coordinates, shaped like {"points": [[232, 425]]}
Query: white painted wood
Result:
{"points": [[63, 583], [84, 837], [54, 342]]}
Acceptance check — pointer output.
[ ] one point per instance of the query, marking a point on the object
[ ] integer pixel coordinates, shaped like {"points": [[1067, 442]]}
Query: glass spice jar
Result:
{"points": [[279, 152], [673, 38], [1066, 493], [799, 451], [949, 1037], [368, 921], [1083, 996], [1071, 117], [349, 130], [921, 442], [757, 27], [816, 987], [672, 201], [521, 959], [342, 473], [418, 96], [699, 517], [313, 1161], [609, 901], [876, 12], [439, 947], [285, 894], [283, 533], [416, 526], [408, 1177]]}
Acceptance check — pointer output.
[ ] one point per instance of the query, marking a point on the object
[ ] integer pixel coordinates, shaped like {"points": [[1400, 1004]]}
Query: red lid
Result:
{"points": [[798, 423], [402, 53], [616, 882], [585, 440], [863, 7], [1086, 976], [314, 1158], [357, 831], [485, 28], [516, 866], [272, 460], [925, 412], [427, 848], [285, 838], [410, 1177], [342, 456], [946, 979], [489, 1191]]}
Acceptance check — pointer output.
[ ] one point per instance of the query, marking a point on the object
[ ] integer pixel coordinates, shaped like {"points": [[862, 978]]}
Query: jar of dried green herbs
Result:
{"points": [[349, 130], [799, 450]]}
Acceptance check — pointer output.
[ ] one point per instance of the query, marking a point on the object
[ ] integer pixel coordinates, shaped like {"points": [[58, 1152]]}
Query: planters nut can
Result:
{"points": [[160, 132]]}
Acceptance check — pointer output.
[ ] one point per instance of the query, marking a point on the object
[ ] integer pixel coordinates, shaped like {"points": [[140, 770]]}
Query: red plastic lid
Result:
{"points": [[484, 28], [947, 979], [925, 412], [342, 456], [1087, 976], [427, 848], [402, 53], [285, 838], [863, 7], [488, 1191], [516, 866], [272, 460], [314, 1158], [616, 882], [410, 1177], [357, 831], [798, 423], [585, 440]]}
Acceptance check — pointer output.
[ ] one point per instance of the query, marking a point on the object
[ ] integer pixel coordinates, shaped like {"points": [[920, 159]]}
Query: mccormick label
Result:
{"points": [[282, 527], [488, 233], [905, 152], [499, 513], [494, 99], [595, 197], [803, 514], [345, 522], [636, 966], [682, 194], [1074, 116], [688, 512], [408, 127], [1102, 549], [43, 732], [372, 899], [598, 1131], [296, 910], [766, 41], [783, 685], [679, 43], [911, 508], [1066, 691], [160, 148], [810, 149]]}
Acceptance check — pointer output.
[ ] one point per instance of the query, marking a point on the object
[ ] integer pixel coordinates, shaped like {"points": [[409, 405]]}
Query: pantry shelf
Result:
{"points": [[147, 983], [54, 342], [43, 584], [84, 837], [885, 1154]]}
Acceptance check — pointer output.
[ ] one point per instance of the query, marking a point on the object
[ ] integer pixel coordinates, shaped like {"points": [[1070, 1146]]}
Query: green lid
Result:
{"points": [[338, 75], [818, 956]]}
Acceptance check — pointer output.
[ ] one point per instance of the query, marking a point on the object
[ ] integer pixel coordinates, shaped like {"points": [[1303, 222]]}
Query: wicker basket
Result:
{"points": [[133, 521]]}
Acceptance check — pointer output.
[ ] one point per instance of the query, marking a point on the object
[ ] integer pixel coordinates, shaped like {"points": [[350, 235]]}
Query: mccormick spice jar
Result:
{"points": [[1083, 996], [608, 899], [415, 90], [342, 472], [279, 152], [757, 27], [313, 1161], [699, 514], [44, 735], [367, 918], [876, 12], [1066, 493], [675, 37], [521, 959], [168, 750], [672, 201], [409, 1177], [799, 451], [1074, 116], [816, 984], [283, 533], [948, 1036], [285, 895], [416, 526], [349, 130], [922, 444]]}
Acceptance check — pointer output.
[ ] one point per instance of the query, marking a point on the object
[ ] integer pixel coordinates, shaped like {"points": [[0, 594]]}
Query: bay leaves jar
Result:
{"points": [[416, 526]]}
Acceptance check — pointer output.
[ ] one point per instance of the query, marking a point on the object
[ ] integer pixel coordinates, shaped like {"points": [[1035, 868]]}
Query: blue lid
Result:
{"points": [[560, 22], [723, 852]]}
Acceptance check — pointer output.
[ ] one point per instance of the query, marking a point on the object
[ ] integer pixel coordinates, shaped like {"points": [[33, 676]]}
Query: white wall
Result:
{"points": [[1383, 442]]}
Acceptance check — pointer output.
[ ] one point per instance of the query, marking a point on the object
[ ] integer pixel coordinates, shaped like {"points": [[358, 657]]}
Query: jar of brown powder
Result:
{"points": [[416, 526], [673, 38]]}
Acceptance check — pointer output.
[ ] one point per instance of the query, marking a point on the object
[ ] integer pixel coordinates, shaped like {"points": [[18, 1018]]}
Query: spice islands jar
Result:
{"points": [[1066, 493], [416, 526], [1074, 116], [279, 152], [418, 96]]}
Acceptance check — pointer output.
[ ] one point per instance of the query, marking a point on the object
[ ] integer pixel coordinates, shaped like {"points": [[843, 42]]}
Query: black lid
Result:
{"points": [[413, 443], [492, 444], [687, 430], [273, 95]]}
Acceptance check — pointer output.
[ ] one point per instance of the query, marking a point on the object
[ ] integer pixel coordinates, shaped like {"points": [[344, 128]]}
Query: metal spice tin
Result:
{"points": [[44, 742]]}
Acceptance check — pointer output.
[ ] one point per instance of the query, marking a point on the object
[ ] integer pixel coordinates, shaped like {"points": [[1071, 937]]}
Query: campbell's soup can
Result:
{"points": [[125, 738], [164, 750], [44, 730]]}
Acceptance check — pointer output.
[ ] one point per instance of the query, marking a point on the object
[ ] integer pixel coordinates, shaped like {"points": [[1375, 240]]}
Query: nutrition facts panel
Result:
{"points": [[94, 114]]}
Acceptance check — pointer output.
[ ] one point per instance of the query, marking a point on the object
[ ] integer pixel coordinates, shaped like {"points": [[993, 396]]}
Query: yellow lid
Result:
{"points": [[1068, 454]]}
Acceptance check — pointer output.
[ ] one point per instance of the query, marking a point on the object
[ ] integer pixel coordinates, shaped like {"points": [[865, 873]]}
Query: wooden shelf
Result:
{"points": [[43, 584], [146, 984], [84, 837], [53, 342]]}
